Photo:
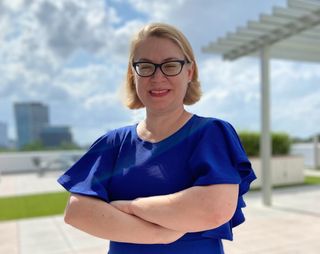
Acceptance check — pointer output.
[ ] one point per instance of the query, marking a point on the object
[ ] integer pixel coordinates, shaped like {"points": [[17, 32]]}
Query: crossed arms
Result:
{"points": [[156, 219]]}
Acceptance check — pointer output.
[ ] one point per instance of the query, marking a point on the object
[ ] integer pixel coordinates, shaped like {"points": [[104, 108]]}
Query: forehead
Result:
{"points": [[157, 49]]}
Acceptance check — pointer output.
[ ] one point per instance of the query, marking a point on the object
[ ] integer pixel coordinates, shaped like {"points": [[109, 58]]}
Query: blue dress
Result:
{"points": [[121, 166]]}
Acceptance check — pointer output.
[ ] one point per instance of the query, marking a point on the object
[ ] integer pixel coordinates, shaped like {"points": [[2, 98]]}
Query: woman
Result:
{"points": [[173, 183]]}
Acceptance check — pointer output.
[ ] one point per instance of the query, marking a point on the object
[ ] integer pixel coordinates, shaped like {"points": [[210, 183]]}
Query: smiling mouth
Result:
{"points": [[159, 93]]}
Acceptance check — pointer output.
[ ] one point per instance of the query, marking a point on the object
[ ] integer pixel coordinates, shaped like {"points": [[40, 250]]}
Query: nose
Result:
{"points": [[158, 73]]}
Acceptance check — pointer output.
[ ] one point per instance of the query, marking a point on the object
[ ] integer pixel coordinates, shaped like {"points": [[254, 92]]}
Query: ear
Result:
{"points": [[190, 70]]}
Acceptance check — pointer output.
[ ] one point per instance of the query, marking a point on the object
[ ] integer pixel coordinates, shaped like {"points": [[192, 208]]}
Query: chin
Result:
{"points": [[161, 109]]}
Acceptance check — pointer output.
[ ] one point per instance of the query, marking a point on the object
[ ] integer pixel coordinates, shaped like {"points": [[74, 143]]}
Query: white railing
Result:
{"points": [[40, 161], [309, 151]]}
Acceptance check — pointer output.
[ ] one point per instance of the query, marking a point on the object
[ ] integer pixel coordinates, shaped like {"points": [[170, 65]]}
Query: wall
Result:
{"points": [[20, 162], [286, 170]]}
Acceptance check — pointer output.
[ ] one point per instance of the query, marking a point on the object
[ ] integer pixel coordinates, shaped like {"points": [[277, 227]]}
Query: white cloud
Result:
{"points": [[232, 92], [295, 97], [120, 39], [72, 54], [228, 88], [38, 51], [90, 80], [157, 10], [69, 25], [12, 5]]}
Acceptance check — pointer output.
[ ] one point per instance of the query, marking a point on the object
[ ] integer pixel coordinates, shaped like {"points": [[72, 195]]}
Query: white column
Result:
{"points": [[265, 140]]}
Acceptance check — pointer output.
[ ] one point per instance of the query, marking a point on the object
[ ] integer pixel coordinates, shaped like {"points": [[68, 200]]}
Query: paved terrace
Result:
{"points": [[291, 225]]}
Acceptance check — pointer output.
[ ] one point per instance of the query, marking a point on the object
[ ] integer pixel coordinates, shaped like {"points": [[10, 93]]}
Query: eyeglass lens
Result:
{"points": [[171, 68]]}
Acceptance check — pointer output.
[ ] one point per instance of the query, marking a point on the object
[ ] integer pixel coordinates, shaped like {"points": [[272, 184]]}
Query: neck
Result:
{"points": [[158, 126]]}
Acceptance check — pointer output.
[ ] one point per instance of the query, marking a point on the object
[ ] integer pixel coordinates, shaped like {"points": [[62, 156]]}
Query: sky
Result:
{"points": [[72, 56]]}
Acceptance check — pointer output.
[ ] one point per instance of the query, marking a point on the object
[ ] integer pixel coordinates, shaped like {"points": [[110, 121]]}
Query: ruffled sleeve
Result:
{"points": [[219, 158], [90, 174]]}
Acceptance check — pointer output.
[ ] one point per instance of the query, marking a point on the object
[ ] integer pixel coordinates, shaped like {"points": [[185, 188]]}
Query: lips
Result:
{"points": [[159, 93]]}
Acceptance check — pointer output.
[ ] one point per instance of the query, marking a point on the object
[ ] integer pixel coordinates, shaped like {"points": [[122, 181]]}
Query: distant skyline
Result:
{"points": [[31, 118], [72, 56], [4, 139]]}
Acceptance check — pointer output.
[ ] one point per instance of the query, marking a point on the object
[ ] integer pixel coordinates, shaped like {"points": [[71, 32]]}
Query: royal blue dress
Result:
{"points": [[121, 166]]}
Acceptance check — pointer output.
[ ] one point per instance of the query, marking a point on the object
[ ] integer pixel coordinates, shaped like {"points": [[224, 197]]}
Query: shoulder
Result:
{"points": [[113, 137], [221, 133], [215, 125], [216, 131]]}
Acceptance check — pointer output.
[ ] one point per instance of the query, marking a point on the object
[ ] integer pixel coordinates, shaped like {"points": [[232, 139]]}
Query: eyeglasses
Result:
{"points": [[169, 68]]}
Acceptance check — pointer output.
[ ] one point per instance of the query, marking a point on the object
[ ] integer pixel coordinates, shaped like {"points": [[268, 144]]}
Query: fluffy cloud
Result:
{"points": [[156, 10], [66, 54], [295, 101], [73, 54], [230, 91], [72, 25]]}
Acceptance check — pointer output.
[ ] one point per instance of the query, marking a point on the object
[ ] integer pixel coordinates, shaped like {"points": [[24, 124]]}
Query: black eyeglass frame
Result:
{"points": [[156, 66]]}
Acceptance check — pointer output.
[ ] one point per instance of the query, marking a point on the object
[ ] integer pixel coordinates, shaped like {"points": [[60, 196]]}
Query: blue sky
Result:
{"points": [[72, 55]]}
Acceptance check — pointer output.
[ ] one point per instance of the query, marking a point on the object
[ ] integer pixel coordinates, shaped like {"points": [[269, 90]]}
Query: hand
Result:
{"points": [[122, 205]]}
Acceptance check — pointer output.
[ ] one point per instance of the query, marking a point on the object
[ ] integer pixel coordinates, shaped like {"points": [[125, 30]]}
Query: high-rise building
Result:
{"points": [[31, 118], [4, 141], [55, 136]]}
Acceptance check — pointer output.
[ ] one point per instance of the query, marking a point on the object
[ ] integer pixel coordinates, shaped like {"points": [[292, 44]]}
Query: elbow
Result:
{"points": [[217, 220], [68, 218], [72, 213], [220, 217], [168, 237]]}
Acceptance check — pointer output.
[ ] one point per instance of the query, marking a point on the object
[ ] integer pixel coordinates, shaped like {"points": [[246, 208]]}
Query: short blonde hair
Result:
{"points": [[166, 31]]}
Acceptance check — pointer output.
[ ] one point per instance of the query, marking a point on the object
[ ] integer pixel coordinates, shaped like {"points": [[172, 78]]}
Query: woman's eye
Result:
{"points": [[170, 66], [145, 67]]}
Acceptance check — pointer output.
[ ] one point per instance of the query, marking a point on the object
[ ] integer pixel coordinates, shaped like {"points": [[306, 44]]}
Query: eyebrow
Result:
{"points": [[164, 60]]}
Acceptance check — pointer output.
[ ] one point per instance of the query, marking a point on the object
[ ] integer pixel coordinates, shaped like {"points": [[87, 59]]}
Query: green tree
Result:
{"points": [[35, 146], [69, 146]]}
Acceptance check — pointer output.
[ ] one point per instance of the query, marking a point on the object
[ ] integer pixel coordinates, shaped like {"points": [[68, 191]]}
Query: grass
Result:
{"points": [[312, 180], [27, 206], [44, 204]]}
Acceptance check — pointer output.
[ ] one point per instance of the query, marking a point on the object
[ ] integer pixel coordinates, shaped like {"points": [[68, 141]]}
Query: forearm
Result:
{"points": [[172, 211], [100, 219], [191, 210]]}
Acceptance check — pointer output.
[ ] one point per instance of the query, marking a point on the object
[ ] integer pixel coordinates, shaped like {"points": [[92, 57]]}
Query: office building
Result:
{"points": [[31, 118], [4, 141], [55, 136]]}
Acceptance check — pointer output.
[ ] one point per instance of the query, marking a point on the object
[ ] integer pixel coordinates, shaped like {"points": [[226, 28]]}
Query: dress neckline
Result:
{"points": [[166, 139]]}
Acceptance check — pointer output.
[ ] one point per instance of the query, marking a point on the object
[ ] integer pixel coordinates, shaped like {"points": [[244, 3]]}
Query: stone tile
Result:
{"points": [[79, 240], [287, 227], [41, 236], [9, 237], [291, 225], [23, 184]]}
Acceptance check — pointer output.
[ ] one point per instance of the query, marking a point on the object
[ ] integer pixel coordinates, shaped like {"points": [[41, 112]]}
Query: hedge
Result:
{"points": [[251, 142]]}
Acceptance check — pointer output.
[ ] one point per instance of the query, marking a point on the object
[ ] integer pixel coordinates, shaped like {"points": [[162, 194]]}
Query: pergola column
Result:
{"points": [[265, 138], [293, 33]]}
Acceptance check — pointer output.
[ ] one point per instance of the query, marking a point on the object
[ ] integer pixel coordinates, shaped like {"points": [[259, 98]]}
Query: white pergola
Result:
{"points": [[291, 33]]}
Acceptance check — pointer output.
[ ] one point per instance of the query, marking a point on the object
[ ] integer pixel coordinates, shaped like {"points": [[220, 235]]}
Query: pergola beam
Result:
{"points": [[289, 33], [303, 5], [274, 36]]}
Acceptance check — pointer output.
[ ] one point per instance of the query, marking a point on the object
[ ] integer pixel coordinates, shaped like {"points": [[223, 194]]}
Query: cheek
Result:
{"points": [[140, 88], [185, 90], [184, 85], [136, 83]]}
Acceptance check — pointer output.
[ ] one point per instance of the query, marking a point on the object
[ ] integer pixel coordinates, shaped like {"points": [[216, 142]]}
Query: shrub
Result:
{"points": [[251, 142], [280, 143]]}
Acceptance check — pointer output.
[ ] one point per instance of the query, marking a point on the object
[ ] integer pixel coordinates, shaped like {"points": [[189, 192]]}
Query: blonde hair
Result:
{"points": [[161, 30]]}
